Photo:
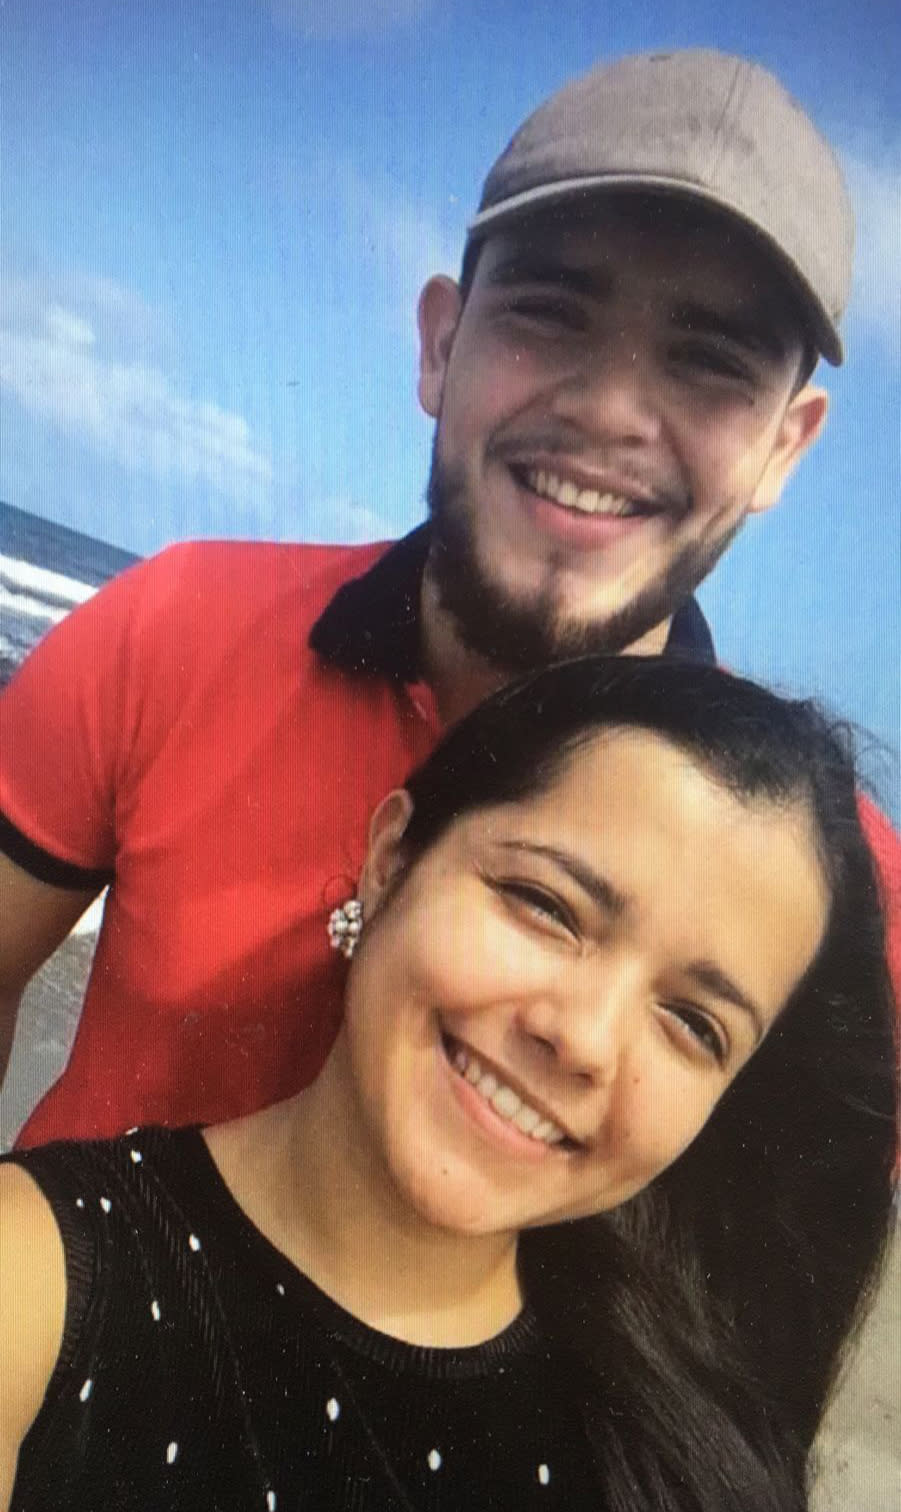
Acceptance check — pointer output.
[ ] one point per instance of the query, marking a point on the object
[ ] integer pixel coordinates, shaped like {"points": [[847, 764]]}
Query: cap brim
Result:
{"points": [[822, 329]]}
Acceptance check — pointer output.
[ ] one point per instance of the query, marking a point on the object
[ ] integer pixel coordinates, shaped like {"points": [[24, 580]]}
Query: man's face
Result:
{"points": [[613, 398]]}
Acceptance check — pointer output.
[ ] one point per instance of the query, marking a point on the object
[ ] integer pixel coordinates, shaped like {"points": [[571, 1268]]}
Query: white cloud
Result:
{"points": [[874, 178], [387, 241], [127, 323], [331, 20], [68, 329], [344, 520], [405, 237], [74, 368]]}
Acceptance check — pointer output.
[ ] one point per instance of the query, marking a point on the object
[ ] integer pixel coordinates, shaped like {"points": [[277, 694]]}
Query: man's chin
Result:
{"points": [[517, 632]]}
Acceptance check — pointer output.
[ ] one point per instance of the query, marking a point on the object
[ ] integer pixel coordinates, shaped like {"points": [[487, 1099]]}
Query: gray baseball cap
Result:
{"points": [[705, 126]]}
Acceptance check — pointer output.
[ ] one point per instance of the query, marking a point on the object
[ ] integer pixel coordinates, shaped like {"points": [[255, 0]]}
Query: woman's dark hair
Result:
{"points": [[707, 1316]]}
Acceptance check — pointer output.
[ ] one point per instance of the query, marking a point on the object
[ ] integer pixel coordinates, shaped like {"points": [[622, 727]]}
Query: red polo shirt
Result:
{"points": [[177, 735], [211, 733]]}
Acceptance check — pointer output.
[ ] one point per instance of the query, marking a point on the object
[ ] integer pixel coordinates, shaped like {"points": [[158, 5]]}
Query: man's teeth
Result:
{"points": [[504, 1100], [585, 500]]}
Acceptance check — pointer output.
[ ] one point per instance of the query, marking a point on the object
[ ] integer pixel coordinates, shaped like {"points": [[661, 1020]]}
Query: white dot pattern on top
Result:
{"points": [[391, 1415]]}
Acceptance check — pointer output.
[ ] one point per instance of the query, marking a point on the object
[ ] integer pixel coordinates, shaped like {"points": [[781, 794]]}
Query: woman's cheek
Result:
{"points": [[472, 954], [665, 1107]]}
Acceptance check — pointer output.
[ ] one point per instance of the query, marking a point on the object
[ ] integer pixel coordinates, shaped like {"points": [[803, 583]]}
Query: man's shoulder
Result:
{"points": [[263, 565], [885, 843], [227, 585]]}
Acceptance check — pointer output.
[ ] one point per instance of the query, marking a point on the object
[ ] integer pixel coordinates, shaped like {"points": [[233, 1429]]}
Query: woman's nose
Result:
{"points": [[584, 1019]]}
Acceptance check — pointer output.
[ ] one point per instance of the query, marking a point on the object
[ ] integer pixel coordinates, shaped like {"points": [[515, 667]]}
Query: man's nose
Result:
{"points": [[613, 396], [585, 1019]]}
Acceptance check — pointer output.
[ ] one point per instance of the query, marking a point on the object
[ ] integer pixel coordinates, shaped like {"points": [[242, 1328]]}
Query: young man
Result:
{"points": [[619, 379]]}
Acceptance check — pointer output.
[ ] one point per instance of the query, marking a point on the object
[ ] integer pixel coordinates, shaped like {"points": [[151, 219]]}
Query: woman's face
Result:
{"points": [[546, 1010]]}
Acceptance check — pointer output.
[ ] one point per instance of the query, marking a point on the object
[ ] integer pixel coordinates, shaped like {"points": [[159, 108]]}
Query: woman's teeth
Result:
{"points": [[505, 1102], [585, 500]]}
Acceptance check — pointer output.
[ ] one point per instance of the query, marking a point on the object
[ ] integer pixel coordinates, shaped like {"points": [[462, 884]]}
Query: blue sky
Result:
{"points": [[217, 216]]}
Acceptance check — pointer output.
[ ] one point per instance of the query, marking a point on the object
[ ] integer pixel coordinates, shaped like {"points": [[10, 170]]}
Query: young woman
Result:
{"points": [[582, 1207]]}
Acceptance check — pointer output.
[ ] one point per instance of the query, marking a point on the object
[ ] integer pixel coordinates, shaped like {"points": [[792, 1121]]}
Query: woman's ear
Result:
{"points": [[385, 856]]}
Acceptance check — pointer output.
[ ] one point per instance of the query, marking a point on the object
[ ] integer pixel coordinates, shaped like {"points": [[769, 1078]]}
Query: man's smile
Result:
{"points": [[585, 508], [560, 490]]}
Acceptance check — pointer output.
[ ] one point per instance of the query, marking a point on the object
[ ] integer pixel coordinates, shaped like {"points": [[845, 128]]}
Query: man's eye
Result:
{"points": [[540, 904], [544, 309], [698, 1029], [707, 359]]}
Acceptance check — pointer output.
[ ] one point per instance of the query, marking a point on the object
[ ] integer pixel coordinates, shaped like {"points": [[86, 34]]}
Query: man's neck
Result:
{"points": [[459, 678]]}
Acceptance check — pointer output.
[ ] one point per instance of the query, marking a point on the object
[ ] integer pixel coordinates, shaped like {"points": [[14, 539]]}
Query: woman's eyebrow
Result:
{"points": [[714, 980], [601, 892]]}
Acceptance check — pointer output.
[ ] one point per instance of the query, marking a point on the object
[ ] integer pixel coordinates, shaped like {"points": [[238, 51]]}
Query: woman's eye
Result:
{"points": [[540, 904], [698, 1030]]}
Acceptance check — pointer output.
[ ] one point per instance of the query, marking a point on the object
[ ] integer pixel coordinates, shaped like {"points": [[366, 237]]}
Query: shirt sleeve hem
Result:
{"points": [[46, 868]]}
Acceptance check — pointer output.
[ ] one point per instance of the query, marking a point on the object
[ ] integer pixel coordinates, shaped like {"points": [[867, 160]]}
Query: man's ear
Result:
{"points": [[385, 857], [437, 315], [802, 422]]}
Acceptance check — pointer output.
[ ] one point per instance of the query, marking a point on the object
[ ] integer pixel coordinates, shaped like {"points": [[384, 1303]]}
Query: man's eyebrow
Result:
{"points": [[531, 268], [602, 892], [757, 330], [714, 980]]}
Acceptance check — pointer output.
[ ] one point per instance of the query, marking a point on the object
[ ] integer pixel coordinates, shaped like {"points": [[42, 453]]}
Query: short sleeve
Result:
{"points": [[72, 719]]}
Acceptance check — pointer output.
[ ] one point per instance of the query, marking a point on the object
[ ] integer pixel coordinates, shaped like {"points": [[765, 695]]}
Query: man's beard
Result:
{"points": [[519, 634]]}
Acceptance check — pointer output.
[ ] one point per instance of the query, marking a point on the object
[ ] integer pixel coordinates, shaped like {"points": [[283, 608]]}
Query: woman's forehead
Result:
{"points": [[646, 836], [645, 788]]}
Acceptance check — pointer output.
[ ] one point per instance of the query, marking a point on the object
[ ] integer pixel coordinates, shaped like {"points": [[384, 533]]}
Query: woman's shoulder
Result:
{"points": [[56, 1204], [86, 1181], [76, 1221], [32, 1308]]}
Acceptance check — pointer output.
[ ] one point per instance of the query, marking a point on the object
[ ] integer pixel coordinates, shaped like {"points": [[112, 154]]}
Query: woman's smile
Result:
{"points": [[489, 1096]]}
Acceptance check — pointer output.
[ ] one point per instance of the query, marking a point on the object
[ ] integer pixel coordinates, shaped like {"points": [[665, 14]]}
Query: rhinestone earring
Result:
{"points": [[345, 926]]}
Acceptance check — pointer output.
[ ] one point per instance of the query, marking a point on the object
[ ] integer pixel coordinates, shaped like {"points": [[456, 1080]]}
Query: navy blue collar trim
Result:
{"points": [[371, 626]]}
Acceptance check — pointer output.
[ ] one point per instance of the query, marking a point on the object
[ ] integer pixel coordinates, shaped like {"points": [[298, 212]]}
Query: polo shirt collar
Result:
{"points": [[371, 625]]}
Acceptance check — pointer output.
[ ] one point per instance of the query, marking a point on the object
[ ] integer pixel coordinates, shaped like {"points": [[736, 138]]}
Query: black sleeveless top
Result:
{"points": [[202, 1372]]}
